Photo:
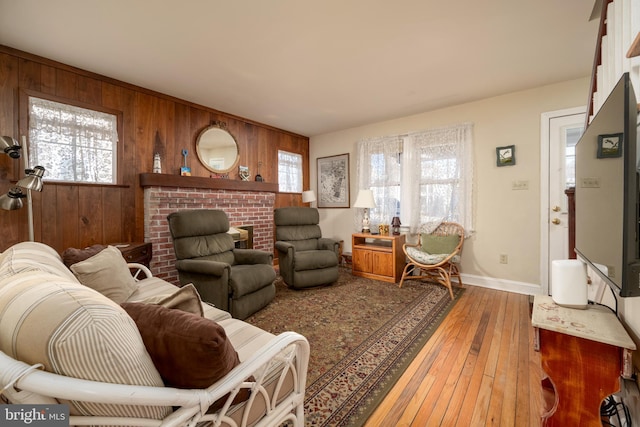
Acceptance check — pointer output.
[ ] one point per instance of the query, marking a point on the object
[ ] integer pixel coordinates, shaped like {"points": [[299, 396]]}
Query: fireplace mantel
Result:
{"points": [[244, 202], [169, 180]]}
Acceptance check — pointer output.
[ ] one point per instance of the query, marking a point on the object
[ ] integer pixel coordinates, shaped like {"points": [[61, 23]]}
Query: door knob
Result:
{"points": [[556, 221], [556, 209]]}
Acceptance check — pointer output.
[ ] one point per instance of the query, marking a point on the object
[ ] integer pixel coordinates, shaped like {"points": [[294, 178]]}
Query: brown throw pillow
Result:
{"points": [[185, 298], [188, 351], [73, 255]]}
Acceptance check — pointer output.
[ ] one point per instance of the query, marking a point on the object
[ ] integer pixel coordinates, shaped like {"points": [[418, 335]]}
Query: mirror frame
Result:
{"points": [[217, 126]]}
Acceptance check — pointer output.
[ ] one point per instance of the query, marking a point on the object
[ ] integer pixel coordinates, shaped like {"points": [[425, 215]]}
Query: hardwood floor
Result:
{"points": [[479, 368]]}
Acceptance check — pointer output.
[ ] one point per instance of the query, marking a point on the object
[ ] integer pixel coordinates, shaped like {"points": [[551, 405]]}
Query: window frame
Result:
{"points": [[450, 182], [405, 202], [302, 162], [411, 187], [24, 130], [384, 187]]}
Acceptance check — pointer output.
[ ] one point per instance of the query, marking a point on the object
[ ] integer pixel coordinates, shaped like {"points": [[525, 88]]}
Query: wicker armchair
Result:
{"points": [[436, 255]]}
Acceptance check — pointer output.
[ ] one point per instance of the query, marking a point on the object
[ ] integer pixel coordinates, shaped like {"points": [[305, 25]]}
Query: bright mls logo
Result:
{"points": [[34, 415]]}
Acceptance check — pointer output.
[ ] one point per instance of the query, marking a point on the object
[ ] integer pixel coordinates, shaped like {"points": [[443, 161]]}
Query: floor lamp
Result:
{"points": [[32, 181]]}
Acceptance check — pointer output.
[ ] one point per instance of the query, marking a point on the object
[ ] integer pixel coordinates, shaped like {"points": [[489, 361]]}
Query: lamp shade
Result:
{"points": [[12, 200], [308, 196], [33, 180], [10, 146], [365, 199]]}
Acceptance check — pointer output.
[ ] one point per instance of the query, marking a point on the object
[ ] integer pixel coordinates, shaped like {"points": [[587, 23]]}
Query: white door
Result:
{"points": [[561, 130]]}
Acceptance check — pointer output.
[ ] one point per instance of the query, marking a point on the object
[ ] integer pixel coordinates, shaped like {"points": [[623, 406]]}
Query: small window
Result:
{"points": [[73, 144], [572, 136], [289, 172]]}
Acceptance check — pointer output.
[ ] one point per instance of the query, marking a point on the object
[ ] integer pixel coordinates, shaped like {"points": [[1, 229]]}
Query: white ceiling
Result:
{"points": [[313, 67]]}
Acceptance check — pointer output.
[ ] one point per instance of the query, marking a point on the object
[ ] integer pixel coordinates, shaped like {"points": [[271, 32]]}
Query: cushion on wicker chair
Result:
{"points": [[106, 272], [429, 259], [434, 244], [75, 331], [188, 350], [32, 256], [185, 298]]}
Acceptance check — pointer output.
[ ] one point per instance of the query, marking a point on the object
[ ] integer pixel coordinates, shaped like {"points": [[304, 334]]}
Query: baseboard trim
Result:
{"points": [[502, 284]]}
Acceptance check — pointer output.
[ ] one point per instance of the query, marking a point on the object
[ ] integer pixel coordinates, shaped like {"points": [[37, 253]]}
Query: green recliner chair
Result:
{"points": [[305, 258], [239, 281]]}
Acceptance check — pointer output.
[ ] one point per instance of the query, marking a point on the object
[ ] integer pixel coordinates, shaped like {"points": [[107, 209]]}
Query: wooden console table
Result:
{"points": [[378, 256], [138, 252], [584, 353]]}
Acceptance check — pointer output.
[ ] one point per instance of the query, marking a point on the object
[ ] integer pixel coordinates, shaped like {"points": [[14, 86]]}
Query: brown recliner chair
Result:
{"points": [[305, 258], [239, 281]]}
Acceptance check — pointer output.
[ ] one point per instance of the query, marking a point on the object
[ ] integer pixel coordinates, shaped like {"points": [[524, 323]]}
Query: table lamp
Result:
{"points": [[365, 200], [308, 196], [395, 225]]}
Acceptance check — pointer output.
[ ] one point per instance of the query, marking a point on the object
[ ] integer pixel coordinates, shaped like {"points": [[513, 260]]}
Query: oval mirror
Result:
{"points": [[217, 149]]}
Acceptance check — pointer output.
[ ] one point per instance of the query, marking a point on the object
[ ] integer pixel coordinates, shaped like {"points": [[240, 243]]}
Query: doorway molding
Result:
{"points": [[545, 139]]}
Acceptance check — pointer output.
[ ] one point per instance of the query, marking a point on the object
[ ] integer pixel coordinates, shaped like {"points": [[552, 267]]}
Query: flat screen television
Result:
{"points": [[607, 189]]}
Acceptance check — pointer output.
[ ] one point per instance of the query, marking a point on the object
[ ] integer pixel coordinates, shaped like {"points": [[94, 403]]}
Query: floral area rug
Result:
{"points": [[363, 334]]}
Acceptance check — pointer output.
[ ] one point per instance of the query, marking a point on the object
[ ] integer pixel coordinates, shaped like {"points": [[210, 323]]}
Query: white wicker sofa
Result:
{"points": [[63, 342]]}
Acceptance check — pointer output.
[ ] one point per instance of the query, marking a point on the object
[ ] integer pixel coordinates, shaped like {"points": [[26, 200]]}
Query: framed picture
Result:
{"points": [[610, 145], [506, 156], [333, 181]]}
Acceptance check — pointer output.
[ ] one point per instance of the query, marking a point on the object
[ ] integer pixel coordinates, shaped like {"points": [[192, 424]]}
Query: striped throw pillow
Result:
{"points": [[77, 332]]}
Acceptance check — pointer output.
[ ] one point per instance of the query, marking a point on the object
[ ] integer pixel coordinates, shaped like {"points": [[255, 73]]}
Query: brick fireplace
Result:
{"points": [[252, 205]]}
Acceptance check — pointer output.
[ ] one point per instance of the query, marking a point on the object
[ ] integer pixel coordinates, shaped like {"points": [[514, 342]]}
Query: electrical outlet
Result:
{"points": [[504, 259]]}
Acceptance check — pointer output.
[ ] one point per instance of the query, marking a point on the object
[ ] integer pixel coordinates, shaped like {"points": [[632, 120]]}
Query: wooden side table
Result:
{"points": [[584, 353], [139, 252], [378, 256]]}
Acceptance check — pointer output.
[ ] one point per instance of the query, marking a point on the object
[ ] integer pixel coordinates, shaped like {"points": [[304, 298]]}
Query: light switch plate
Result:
{"points": [[521, 184], [590, 182]]}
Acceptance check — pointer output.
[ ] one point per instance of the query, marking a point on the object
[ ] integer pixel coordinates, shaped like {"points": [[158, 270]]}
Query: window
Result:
{"points": [[423, 176], [289, 172], [382, 173], [438, 182], [73, 144], [572, 136], [386, 186]]}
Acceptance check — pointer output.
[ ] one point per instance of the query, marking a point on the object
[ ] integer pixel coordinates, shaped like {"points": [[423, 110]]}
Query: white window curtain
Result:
{"points": [[379, 169], [72, 143], [441, 176], [289, 172]]}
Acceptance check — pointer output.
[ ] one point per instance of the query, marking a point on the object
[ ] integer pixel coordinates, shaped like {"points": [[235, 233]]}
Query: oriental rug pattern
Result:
{"points": [[363, 334]]}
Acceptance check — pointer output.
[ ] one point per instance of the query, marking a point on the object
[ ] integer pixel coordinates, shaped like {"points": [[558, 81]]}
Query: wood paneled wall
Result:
{"points": [[80, 215]]}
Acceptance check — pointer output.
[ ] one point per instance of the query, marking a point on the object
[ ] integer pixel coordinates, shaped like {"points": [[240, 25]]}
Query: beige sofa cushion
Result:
{"points": [[77, 332], [106, 272], [32, 256], [247, 341], [151, 287], [185, 298]]}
